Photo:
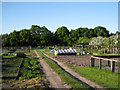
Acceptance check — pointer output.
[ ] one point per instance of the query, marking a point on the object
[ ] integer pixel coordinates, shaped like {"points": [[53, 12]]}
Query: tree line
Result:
{"points": [[41, 36]]}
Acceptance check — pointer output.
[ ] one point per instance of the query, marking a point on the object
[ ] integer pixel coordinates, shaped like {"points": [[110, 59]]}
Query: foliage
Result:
{"points": [[62, 34], [30, 68], [41, 36], [83, 40], [112, 40]]}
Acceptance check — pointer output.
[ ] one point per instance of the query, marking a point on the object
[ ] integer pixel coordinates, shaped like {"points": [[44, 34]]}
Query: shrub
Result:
{"points": [[49, 47], [101, 51], [5, 54], [33, 62], [21, 54]]}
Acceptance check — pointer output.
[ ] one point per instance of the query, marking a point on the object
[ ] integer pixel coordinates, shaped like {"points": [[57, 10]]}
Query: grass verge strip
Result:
{"points": [[105, 78], [65, 77]]}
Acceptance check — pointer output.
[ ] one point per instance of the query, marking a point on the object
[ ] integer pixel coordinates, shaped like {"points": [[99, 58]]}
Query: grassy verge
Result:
{"points": [[102, 77], [65, 77], [47, 52]]}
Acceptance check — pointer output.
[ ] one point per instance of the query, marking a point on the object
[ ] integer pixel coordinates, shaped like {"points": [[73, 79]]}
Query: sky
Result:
{"points": [[21, 15]]}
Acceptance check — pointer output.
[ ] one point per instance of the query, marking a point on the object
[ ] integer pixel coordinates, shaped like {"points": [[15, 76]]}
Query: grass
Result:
{"points": [[65, 77], [47, 52], [104, 78], [31, 53]]}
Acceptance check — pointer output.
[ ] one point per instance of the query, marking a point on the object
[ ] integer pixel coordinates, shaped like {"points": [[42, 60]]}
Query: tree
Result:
{"points": [[5, 40], [83, 40], [25, 37], [101, 31], [14, 38], [62, 33]]}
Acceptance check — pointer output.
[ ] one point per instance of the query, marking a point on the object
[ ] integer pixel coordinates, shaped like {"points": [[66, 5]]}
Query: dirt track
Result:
{"points": [[52, 77]]}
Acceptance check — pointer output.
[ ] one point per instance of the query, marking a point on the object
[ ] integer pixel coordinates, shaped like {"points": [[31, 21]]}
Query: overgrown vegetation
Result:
{"points": [[69, 80]]}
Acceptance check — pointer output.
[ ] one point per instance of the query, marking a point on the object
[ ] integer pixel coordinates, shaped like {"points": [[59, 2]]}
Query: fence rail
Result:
{"points": [[92, 62]]}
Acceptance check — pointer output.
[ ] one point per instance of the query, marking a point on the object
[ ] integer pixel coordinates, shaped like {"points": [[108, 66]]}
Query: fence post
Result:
{"points": [[100, 63], [104, 50], [92, 62], [108, 63], [113, 66]]}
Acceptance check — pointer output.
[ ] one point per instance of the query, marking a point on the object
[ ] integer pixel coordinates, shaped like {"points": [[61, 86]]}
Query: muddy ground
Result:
{"points": [[83, 61]]}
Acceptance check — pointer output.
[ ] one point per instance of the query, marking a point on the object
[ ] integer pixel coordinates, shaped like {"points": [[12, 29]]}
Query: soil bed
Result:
{"points": [[83, 61]]}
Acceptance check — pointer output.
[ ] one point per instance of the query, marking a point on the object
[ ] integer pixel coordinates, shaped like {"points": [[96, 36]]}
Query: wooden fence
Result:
{"points": [[93, 58], [110, 48]]}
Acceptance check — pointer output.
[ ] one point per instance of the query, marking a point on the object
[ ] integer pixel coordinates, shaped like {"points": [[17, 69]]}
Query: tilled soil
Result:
{"points": [[75, 60], [84, 61], [38, 82]]}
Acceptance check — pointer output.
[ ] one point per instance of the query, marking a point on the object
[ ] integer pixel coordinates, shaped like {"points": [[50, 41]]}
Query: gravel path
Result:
{"points": [[74, 74], [52, 77]]}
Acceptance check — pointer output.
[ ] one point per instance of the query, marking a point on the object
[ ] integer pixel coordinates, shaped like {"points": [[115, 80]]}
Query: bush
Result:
{"points": [[49, 47], [5, 54], [33, 62], [101, 51], [21, 54]]}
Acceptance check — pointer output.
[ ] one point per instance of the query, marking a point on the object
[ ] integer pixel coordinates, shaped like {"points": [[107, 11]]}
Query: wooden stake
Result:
{"points": [[92, 62], [109, 63], [113, 66], [100, 63]]}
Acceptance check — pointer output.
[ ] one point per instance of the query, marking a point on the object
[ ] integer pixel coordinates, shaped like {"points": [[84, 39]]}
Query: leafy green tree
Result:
{"points": [[62, 33], [14, 38], [25, 37], [83, 40], [41, 36], [101, 31], [5, 40]]}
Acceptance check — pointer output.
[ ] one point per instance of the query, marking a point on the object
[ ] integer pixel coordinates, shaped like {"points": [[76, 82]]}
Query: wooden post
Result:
{"points": [[113, 66], [104, 50], [108, 63], [100, 63], [92, 62], [113, 50]]}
